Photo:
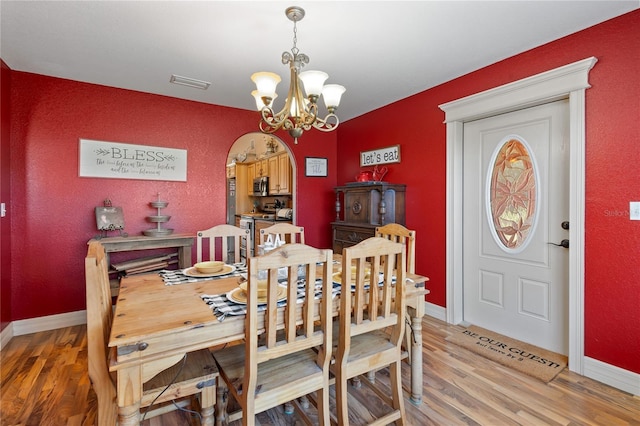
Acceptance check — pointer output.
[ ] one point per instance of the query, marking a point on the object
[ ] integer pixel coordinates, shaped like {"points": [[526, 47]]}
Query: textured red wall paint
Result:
{"points": [[5, 196], [612, 276], [54, 208]]}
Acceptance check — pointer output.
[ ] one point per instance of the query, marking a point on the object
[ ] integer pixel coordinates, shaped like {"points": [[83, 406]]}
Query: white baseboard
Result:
{"points": [[438, 312], [6, 335], [611, 375], [51, 322]]}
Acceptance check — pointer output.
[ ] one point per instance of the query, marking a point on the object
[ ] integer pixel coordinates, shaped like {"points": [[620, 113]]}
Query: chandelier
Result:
{"points": [[300, 113]]}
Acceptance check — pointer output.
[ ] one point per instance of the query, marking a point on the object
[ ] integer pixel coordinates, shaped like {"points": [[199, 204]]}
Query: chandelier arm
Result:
{"points": [[327, 124], [269, 122]]}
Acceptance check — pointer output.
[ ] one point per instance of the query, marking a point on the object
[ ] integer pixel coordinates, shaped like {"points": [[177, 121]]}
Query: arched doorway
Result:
{"points": [[245, 152]]}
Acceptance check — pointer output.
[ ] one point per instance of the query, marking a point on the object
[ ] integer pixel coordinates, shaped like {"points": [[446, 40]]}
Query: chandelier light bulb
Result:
{"points": [[332, 93], [313, 82], [266, 83], [260, 101]]}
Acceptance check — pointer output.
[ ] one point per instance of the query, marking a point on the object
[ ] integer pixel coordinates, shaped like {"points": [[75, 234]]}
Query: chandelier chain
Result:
{"points": [[294, 49]]}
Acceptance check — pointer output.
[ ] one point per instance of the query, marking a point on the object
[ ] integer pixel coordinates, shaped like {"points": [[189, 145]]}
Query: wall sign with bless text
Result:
{"points": [[380, 156], [127, 161]]}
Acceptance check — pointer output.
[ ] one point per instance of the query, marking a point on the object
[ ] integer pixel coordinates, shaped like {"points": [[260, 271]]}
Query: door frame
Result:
{"points": [[566, 82]]}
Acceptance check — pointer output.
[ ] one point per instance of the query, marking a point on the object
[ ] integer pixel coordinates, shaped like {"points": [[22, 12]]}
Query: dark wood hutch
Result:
{"points": [[361, 207]]}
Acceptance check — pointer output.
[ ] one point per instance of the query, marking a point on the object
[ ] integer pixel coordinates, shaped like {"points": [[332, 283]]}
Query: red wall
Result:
{"points": [[5, 196], [53, 208], [612, 276]]}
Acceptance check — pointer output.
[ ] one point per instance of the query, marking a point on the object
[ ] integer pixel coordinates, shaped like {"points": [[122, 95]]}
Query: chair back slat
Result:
{"points": [[222, 236]]}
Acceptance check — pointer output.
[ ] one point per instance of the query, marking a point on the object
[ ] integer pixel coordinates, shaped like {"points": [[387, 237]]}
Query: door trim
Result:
{"points": [[569, 81]]}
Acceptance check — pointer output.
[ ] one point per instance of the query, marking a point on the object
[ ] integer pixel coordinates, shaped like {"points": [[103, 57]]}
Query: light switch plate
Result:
{"points": [[634, 210]]}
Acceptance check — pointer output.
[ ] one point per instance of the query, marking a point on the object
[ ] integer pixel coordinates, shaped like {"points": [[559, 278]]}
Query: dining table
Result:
{"points": [[160, 317]]}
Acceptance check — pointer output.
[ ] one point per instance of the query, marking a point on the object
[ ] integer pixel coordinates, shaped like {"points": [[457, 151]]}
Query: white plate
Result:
{"points": [[237, 295], [193, 272]]}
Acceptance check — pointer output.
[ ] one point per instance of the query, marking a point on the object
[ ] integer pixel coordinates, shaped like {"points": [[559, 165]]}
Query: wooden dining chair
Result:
{"points": [[371, 323], [286, 351], [195, 374], [223, 236], [287, 232], [400, 234]]}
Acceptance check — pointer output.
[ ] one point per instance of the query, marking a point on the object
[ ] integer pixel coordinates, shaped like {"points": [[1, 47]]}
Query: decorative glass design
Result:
{"points": [[512, 195]]}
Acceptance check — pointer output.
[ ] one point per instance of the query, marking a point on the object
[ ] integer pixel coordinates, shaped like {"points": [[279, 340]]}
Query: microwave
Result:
{"points": [[261, 186]]}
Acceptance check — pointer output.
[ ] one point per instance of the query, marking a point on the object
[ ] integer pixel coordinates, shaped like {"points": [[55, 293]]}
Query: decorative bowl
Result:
{"points": [[210, 267], [262, 288]]}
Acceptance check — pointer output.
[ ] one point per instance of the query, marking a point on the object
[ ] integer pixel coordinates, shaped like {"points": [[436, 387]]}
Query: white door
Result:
{"points": [[516, 198]]}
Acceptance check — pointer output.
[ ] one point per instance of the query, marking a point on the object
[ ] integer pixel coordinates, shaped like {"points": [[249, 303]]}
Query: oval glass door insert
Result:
{"points": [[512, 194]]}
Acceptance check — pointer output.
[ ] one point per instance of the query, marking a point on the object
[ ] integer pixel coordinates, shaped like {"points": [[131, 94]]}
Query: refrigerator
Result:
{"points": [[231, 201]]}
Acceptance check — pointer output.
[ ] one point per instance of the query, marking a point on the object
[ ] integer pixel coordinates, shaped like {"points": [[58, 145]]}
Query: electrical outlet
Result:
{"points": [[634, 210]]}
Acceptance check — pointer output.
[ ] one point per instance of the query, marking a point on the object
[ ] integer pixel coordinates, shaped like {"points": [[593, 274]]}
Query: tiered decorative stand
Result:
{"points": [[159, 219]]}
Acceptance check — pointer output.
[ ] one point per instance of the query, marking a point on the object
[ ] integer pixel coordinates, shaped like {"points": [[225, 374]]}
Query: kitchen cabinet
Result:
{"points": [[363, 206], [261, 168], [273, 175], [279, 174], [244, 188], [251, 175], [284, 173]]}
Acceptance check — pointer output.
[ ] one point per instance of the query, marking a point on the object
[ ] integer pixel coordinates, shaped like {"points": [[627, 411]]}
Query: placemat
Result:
{"points": [[173, 277], [223, 307]]}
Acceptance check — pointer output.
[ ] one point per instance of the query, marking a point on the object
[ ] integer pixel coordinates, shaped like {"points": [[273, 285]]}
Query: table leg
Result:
{"points": [[129, 415], [416, 353], [129, 395], [221, 403], [184, 257]]}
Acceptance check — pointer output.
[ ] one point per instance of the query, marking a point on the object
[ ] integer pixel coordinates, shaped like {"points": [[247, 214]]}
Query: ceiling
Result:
{"points": [[381, 51]]}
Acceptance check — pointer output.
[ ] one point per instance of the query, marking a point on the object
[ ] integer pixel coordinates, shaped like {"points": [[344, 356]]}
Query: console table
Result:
{"points": [[182, 242]]}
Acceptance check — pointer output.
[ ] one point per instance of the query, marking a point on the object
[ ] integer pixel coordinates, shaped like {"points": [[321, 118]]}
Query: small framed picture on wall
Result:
{"points": [[315, 166]]}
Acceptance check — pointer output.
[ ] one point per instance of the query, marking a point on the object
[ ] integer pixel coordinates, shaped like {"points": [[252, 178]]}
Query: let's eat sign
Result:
{"points": [[380, 156]]}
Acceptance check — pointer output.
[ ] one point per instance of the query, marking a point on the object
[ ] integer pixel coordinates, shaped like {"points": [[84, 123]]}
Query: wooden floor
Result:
{"points": [[45, 382]]}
